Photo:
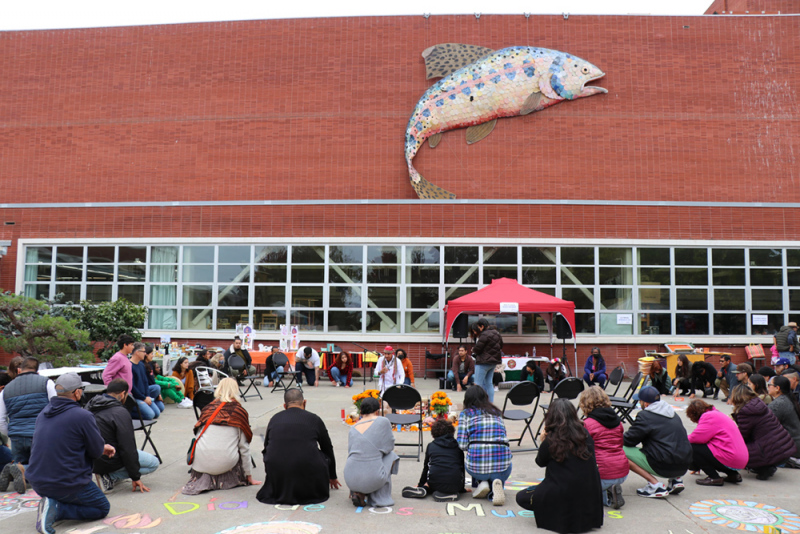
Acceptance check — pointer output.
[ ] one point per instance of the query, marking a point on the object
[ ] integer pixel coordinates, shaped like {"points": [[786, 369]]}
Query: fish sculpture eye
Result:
{"points": [[585, 70]]}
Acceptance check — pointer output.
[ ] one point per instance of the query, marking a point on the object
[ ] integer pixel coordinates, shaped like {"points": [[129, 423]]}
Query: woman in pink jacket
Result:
{"points": [[717, 445], [605, 427]]}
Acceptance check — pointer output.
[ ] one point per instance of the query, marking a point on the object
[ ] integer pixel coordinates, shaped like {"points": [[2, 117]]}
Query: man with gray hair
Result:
{"points": [[65, 443]]}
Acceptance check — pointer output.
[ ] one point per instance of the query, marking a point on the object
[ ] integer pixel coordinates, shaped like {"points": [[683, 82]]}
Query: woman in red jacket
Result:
{"points": [[605, 427], [341, 370]]}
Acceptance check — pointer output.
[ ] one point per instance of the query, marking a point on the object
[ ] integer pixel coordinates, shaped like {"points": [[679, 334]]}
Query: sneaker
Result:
{"points": [[482, 490], [46, 516], [5, 477], [675, 486], [791, 462], [336, 384], [708, 481], [496, 388], [498, 495], [186, 403], [617, 501], [17, 477], [652, 490], [440, 496], [734, 478], [766, 474], [105, 483], [414, 492]]}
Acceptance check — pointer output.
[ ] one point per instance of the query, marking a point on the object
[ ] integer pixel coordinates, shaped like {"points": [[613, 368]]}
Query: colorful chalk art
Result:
{"points": [[747, 515]]}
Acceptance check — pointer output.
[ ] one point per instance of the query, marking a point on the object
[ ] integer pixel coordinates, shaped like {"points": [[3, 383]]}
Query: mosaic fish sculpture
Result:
{"points": [[478, 86]]}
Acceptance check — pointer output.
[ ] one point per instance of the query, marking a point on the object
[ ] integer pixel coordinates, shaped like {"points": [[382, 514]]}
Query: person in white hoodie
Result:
{"points": [[389, 370]]}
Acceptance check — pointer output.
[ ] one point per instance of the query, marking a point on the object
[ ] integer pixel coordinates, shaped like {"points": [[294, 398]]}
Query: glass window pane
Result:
{"points": [[234, 254], [162, 319], [351, 254], [69, 254], [303, 254], [654, 298], [653, 256], [38, 254], [383, 321], [539, 255], [271, 255], [774, 322], [384, 297], [691, 324], [197, 295], [691, 277], [196, 319], [37, 291], [164, 255], [133, 254], [69, 273], [267, 274], [227, 319], [766, 277], [691, 256], [311, 274], [308, 319], [419, 255], [728, 277], [794, 299], [691, 299], [456, 292], [766, 299], [344, 321], [505, 324], [616, 276], [198, 254], [615, 256], [131, 273], [163, 273], [270, 296], [198, 273], [539, 275], [72, 292], [307, 297], [616, 298], [546, 290], [655, 324], [39, 273], [233, 296], [383, 255], [383, 275], [727, 256], [532, 323], [728, 299], [730, 324], [577, 256], [100, 273], [345, 297], [582, 297], [584, 323], [500, 255], [422, 275], [100, 255], [98, 293], [133, 294], [495, 273], [654, 276], [468, 255], [422, 322], [794, 277], [461, 275], [766, 257], [571, 276], [610, 327], [422, 297], [793, 257], [163, 295], [268, 320], [239, 274]]}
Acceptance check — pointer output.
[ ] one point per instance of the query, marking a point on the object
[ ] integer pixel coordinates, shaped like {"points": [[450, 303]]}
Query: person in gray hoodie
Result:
{"points": [[665, 451]]}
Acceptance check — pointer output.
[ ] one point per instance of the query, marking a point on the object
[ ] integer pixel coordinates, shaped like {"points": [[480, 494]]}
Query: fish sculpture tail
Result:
{"points": [[425, 189]]}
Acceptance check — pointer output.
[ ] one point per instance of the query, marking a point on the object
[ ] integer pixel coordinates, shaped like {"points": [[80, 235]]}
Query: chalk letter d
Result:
{"points": [[171, 507]]}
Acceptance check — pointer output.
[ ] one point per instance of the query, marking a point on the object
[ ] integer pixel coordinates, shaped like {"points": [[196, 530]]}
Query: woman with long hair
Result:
{"points": [[341, 370], [182, 372], [594, 372], [787, 410], [222, 452], [768, 443], [569, 499], [659, 378], [605, 427], [683, 383], [482, 435], [717, 445], [758, 384]]}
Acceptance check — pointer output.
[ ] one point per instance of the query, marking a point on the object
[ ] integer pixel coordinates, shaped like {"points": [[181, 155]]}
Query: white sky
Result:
{"points": [[48, 14]]}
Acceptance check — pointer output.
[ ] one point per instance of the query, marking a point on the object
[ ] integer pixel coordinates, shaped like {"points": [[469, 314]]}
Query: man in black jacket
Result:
{"points": [[704, 376], [665, 451], [238, 350], [116, 427]]}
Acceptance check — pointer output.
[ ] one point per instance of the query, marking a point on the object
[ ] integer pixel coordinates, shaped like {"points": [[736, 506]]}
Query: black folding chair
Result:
{"points": [[624, 405], [615, 379], [404, 397], [523, 394], [631, 388], [434, 358], [142, 425], [202, 398], [569, 388], [279, 359]]}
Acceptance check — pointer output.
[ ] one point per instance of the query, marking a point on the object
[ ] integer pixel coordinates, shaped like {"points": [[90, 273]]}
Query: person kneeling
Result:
{"points": [[443, 471]]}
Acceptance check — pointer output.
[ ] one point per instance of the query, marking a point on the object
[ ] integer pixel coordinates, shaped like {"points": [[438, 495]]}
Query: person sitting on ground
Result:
{"points": [[743, 372], [182, 372], [605, 427], [787, 410], [147, 397], [594, 372], [307, 362], [768, 443], [341, 370], [532, 373], [555, 373], [389, 370], [794, 382], [65, 444], [408, 368], [499, 376], [717, 445], [659, 378], [222, 450], [116, 427], [665, 451], [683, 384], [443, 470], [171, 387], [463, 368], [5, 461], [726, 377], [567, 452], [10, 373], [759, 385], [201, 360], [272, 372], [482, 435], [217, 361], [371, 460], [119, 366], [704, 376], [298, 456], [767, 372], [781, 365], [236, 349]]}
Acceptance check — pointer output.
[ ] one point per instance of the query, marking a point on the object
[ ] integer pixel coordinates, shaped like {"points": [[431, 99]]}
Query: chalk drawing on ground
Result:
{"points": [[132, 521], [746, 515], [275, 527], [15, 503]]}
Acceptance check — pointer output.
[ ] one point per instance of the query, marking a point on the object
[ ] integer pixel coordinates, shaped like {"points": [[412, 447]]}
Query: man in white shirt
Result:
{"points": [[307, 363], [389, 370]]}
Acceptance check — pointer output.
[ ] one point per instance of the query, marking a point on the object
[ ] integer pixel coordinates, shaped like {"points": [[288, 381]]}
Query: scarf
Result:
{"points": [[232, 414]]}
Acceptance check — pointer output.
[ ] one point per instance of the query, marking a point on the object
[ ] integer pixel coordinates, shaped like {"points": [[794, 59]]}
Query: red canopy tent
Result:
{"points": [[505, 295]]}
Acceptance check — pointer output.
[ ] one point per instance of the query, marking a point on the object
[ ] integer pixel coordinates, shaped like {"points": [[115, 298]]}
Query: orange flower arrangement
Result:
{"points": [[440, 403], [374, 393]]}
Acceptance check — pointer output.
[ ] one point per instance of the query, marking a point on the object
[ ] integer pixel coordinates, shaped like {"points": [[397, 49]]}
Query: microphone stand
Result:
{"points": [[363, 364]]}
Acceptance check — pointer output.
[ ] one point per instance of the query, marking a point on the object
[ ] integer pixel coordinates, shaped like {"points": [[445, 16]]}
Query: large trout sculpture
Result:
{"points": [[478, 86]]}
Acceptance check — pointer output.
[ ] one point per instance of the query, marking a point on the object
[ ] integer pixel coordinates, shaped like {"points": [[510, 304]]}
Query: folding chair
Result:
{"points": [[623, 405], [631, 388], [615, 379], [279, 359], [143, 425], [404, 397], [208, 377], [569, 388], [523, 394], [434, 358], [202, 398]]}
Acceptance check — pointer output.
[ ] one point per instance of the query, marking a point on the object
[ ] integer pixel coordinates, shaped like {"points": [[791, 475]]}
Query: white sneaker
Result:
{"points": [[496, 388], [336, 384], [482, 490], [186, 403], [498, 495]]}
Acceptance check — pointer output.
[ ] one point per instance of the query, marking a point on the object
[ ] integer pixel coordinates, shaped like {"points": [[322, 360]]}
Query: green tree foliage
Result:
{"points": [[28, 327], [106, 321]]}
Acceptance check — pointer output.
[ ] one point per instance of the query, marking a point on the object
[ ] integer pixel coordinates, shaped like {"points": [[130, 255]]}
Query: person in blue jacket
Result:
{"points": [[594, 372]]}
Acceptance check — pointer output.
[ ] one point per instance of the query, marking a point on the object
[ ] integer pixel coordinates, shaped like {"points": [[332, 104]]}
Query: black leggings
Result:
{"points": [[525, 497], [685, 386], [703, 459]]}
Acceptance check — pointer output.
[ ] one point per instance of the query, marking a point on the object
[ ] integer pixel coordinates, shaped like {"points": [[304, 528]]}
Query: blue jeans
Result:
{"points": [[607, 483], [273, 376], [471, 380], [340, 377], [503, 476], [5, 456], [483, 377], [154, 392], [84, 504], [791, 356], [21, 450], [147, 464]]}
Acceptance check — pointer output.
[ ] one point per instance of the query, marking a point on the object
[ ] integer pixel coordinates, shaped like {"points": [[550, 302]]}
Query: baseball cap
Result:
{"points": [[70, 382], [783, 361], [388, 348], [744, 368], [649, 395]]}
